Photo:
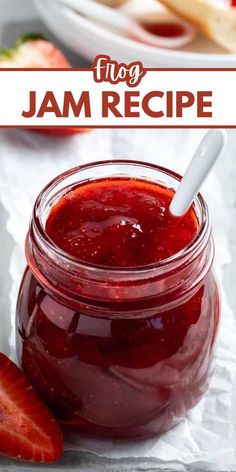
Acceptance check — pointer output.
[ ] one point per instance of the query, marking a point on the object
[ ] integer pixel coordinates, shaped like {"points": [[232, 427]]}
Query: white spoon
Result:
{"points": [[128, 25], [200, 166]]}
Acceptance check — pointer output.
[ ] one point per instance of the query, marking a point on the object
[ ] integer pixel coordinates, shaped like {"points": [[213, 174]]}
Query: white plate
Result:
{"points": [[89, 39]]}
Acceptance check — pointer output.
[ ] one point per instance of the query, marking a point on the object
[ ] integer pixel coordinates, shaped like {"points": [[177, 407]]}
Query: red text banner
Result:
{"points": [[117, 95]]}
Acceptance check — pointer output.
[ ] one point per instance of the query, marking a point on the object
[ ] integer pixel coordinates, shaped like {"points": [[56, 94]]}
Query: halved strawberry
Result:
{"points": [[28, 430], [32, 52]]}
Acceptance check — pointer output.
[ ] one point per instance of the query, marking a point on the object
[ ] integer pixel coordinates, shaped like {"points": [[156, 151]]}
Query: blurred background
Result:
{"points": [[143, 30]]}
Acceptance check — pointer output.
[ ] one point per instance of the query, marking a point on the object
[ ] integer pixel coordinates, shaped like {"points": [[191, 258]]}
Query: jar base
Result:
{"points": [[87, 430]]}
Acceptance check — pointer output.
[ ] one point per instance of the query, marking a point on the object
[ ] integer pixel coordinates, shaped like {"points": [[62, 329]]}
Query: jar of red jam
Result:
{"points": [[118, 309]]}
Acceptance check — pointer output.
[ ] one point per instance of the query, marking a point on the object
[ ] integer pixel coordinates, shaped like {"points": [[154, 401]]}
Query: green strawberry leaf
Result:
{"points": [[29, 37], [6, 54]]}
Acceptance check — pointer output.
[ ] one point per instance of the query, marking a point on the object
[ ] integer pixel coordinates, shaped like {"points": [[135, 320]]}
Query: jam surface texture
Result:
{"points": [[119, 223]]}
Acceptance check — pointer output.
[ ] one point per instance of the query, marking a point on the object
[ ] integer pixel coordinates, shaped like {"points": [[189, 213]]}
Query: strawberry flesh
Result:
{"points": [[28, 430]]}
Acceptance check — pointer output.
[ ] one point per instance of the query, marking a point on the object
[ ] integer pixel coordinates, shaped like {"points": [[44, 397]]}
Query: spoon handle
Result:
{"points": [[201, 164]]}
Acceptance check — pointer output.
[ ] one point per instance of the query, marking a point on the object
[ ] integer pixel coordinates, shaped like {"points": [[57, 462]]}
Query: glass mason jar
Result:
{"points": [[120, 353]]}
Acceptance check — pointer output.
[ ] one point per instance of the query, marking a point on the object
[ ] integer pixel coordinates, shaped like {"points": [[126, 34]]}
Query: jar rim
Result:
{"points": [[166, 264]]}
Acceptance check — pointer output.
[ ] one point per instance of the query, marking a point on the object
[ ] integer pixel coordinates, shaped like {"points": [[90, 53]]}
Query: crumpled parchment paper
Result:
{"points": [[207, 437]]}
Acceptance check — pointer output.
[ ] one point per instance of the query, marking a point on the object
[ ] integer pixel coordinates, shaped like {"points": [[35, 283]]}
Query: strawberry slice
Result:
{"points": [[34, 52], [28, 431]]}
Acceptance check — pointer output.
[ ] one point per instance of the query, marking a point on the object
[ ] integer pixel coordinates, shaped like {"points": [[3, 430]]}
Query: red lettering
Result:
{"points": [[183, 100], [110, 101], [83, 102], [131, 103], [49, 105], [146, 104], [203, 103]]}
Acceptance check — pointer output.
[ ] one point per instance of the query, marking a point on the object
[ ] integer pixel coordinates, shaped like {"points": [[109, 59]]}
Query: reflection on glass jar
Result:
{"points": [[121, 353]]}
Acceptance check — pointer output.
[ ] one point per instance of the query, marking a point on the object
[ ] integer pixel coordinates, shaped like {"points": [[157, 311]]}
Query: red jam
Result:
{"points": [[164, 29], [117, 348], [119, 223]]}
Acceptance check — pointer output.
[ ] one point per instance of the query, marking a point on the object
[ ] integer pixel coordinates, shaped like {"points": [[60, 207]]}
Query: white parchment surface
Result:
{"points": [[207, 437]]}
